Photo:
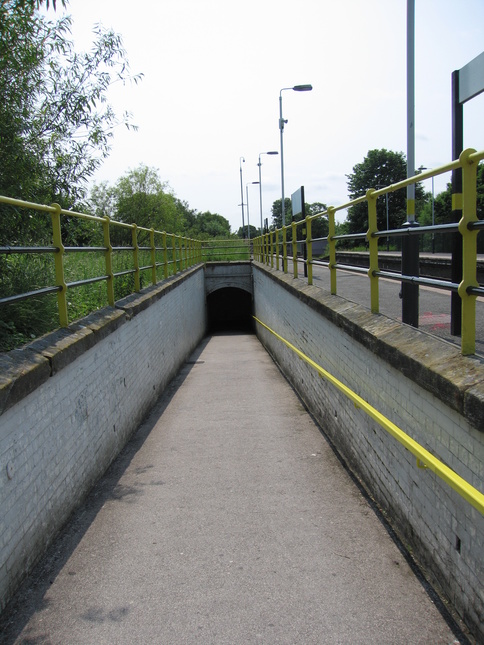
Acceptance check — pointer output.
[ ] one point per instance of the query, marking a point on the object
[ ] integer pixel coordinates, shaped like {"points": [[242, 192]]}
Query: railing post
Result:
{"points": [[165, 255], [294, 248], [284, 249], [153, 255], [272, 248], [332, 249], [469, 247], [59, 265], [180, 240], [108, 256], [277, 250], [134, 237], [309, 243], [174, 253], [373, 249]]}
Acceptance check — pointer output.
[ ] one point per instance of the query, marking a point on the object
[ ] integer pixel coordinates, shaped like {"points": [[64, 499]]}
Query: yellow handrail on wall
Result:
{"points": [[424, 458]]}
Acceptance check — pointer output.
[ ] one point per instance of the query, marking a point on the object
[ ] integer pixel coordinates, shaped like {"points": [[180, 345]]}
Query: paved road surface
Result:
{"points": [[227, 520]]}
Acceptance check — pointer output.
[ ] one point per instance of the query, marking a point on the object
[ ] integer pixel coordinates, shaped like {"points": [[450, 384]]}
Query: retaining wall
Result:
{"points": [[71, 400], [419, 382]]}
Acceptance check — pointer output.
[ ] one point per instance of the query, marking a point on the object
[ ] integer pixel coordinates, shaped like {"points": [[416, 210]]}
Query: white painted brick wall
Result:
{"points": [[429, 514], [59, 439]]}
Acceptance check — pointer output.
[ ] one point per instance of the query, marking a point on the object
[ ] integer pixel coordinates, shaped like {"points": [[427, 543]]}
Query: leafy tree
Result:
{"points": [[276, 211], [212, 225], [254, 232], [378, 169], [140, 196], [55, 123], [443, 214], [319, 227]]}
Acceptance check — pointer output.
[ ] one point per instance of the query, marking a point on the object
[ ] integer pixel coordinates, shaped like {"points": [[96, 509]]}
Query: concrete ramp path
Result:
{"points": [[226, 520]]}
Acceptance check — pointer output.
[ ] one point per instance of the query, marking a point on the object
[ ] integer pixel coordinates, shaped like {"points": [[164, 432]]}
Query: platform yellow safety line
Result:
{"points": [[424, 458]]}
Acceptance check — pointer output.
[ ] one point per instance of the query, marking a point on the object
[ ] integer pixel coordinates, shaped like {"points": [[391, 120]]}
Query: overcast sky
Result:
{"points": [[213, 70]]}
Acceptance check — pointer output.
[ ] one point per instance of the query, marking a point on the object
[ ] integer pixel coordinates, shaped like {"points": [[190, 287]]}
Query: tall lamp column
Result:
{"points": [[247, 192], [271, 152], [242, 193], [296, 88]]}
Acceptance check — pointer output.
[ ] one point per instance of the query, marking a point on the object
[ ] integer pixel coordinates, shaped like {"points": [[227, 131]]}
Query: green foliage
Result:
{"points": [[233, 249], [24, 320], [140, 196], [242, 232], [276, 211], [55, 123], [319, 226], [443, 215], [378, 169]]}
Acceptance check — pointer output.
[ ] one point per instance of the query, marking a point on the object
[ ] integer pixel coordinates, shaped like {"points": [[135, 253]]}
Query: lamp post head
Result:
{"points": [[272, 152], [302, 88]]}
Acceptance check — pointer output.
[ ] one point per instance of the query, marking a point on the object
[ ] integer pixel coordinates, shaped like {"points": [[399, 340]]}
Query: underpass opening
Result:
{"points": [[230, 309]]}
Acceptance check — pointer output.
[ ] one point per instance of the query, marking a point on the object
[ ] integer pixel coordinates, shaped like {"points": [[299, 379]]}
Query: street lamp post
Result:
{"points": [[296, 88], [247, 193], [242, 193], [271, 152]]}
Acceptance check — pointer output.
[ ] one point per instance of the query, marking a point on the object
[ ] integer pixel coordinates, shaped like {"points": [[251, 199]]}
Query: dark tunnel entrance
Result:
{"points": [[230, 309]]}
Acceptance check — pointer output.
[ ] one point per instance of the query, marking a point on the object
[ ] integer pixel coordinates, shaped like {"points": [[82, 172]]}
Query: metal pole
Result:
{"points": [[242, 193], [457, 146], [410, 108], [247, 191], [248, 229], [388, 222], [410, 245], [270, 152], [281, 128], [296, 88], [260, 193]]}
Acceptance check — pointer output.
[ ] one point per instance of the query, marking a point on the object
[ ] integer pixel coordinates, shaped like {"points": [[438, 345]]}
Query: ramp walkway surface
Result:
{"points": [[227, 519]]}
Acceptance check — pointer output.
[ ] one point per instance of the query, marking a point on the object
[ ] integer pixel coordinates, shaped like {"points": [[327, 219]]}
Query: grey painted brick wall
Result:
{"points": [[57, 440], [69, 402], [431, 518]]}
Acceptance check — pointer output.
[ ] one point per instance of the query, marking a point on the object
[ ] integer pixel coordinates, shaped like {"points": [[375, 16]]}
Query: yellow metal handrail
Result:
{"points": [[425, 459], [218, 250], [264, 250], [186, 252]]}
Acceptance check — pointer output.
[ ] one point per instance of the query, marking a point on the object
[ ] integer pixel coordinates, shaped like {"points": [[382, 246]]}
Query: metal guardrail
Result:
{"points": [[273, 247], [216, 250], [172, 253], [425, 459]]}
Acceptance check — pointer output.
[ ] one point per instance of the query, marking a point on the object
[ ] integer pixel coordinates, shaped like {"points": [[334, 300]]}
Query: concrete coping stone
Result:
{"points": [[25, 369], [135, 303], [429, 361]]}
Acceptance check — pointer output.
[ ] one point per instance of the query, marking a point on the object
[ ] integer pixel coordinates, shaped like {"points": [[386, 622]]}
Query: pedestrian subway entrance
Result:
{"points": [[229, 296], [230, 309]]}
